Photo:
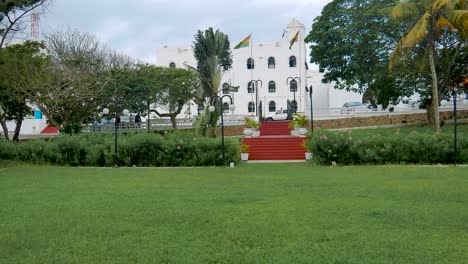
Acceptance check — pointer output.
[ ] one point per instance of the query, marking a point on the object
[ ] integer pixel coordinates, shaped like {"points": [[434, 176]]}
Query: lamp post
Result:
{"points": [[293, 90], [455, 90], [309, 90], [212, 108], [125, 112], [256, 82]]}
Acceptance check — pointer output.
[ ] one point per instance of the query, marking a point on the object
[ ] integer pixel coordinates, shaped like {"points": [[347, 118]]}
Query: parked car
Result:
{"points": [[353, 107], [281, 114]]}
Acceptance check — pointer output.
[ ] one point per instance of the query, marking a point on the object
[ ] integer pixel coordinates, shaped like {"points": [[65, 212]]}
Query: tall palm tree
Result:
{"points": [[430, 17], [213, 55]]}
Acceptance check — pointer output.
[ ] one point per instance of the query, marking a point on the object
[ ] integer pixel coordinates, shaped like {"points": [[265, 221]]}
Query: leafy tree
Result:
{"points": [[19, 64], [430, 18], [351, 41], [13, 13], [213, 55]]}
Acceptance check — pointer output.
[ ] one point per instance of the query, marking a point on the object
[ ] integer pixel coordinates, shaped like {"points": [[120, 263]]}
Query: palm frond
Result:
{"points": [[404, 10], [417, 33], [443, 23], [439, 4], [459, 19]]}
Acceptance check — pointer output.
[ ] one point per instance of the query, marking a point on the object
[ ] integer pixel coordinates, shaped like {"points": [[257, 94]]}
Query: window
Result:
{"points": [[225, 107], [226, 88], [272, 106], [201, 107], [271, 63], [251, 107], [172, 65], [293, 86], [271, 87], [292, 62], [172, 108], [250, 87], [250, 63]]}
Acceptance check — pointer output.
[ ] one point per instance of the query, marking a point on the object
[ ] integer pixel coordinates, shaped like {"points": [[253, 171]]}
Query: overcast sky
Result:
{"points": [[138, 27]]}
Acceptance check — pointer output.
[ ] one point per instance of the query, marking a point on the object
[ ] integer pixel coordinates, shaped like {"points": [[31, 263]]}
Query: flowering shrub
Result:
{"points": [[173, 149], [414, 148]]}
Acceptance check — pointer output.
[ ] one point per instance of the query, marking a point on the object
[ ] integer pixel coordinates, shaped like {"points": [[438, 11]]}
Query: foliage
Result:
{"points": [[201, 124], [13, 14], [429, 20], [299, 121], [415, 148], [145, 149], [245, 148], [213, 55], [250, 123], [351, 41], [18, 64]]}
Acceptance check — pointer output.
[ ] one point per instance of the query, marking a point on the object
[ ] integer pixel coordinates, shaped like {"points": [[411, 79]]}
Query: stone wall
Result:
{"points": [[391, 119]]}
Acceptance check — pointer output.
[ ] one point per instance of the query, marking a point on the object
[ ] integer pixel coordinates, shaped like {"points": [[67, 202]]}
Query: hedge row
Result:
{"points": [[413, 148], [174, 149]]}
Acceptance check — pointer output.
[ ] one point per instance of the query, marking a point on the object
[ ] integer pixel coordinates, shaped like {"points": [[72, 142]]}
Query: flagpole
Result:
{"points": [[251, 72]]}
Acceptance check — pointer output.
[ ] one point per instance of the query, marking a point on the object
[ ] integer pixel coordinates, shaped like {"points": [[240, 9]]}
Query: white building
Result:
{"points": [[282, 73]]}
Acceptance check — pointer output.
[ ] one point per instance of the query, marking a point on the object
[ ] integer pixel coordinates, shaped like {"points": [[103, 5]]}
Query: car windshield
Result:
{"points": [[356, 104]]}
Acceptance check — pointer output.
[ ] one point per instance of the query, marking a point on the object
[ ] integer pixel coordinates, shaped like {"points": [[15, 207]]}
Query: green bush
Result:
{"points": [[175, 148], [344, 148]]}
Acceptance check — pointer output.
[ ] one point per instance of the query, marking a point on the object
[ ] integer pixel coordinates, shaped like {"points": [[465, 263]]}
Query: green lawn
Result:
{"points": [[255, 213]]}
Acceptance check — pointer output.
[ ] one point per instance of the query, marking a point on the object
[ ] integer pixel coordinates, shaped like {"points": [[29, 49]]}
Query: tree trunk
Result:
{"points": [[19, 122], [430, 113], [5, 130], [174, 122], [435, 92]]}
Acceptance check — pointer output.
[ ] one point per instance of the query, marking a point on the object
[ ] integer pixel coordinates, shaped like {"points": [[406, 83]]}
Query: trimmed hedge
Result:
{"points": [[344, 148], [174, 149]]}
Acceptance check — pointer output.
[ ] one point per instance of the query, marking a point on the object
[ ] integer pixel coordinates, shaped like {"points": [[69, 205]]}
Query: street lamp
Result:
{"points": [[256, 94], [125, 112], [309, 90], [293, 89], [455, 90], [212, 108]]}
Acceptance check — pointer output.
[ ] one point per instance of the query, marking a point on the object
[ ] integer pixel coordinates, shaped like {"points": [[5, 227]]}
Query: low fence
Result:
{"points": [[156, 125]]}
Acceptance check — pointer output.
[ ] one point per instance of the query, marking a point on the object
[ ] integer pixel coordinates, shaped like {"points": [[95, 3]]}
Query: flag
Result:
{"points": [[244, 43], [293, 40]]}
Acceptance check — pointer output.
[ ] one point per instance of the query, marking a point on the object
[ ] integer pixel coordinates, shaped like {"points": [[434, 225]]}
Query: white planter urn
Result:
{"points": [[308, 155], [248, 132], [244, 156], [302, 131]]}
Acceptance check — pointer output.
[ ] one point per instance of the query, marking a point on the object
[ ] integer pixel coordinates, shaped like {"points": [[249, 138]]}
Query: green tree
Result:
{"points": [[429, 19], [213, 55], [351, 41], [19, 64], [12, 14]]}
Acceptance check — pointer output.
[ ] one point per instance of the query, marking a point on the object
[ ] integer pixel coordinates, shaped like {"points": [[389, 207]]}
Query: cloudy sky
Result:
{"points": [[138, 27]]}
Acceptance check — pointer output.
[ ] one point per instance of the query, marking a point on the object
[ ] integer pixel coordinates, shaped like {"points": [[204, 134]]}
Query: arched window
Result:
{"points": [[294, 105], [225, 88], [251, 107], [271, 87], [250, 63], [272, 106], [292, 62], [172, 65], [201, 107], [250, 87], [293, 86], [225, 107], [271, 63]]}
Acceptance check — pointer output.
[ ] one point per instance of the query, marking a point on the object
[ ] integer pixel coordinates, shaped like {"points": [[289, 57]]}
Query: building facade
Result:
{"points": [[270, 76]]}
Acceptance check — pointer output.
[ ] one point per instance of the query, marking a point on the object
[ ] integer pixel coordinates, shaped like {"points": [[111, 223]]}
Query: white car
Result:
{"points": [[281, 114], [353, 107]]}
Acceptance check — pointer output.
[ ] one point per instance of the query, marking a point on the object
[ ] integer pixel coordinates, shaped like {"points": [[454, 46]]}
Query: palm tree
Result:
{"points": [[213, 55], [431, 18]]}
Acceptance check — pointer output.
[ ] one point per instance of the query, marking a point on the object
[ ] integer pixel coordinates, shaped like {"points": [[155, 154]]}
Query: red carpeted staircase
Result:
{"points": [[275, 143]]}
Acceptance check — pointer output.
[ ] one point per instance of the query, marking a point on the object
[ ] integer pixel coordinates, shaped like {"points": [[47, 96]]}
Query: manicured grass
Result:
{"points": [[462, 130], [255, 213]]}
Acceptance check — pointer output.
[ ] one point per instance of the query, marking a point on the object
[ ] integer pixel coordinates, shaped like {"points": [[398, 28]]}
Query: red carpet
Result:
{"points": [[275, 143]]}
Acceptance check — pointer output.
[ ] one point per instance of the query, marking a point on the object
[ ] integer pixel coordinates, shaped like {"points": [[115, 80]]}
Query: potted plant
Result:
{"points": [[244, 149], [251, 128], [308, 154], [299, 124]]}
